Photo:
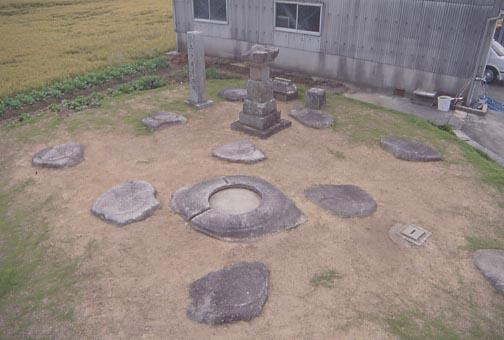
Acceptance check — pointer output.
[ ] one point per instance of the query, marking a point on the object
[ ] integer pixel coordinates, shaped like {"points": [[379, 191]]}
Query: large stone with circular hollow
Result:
{"points": [[163, 119], [234, 95], [410, 150], [491, 265], [239, 152], [235, 293], [127, 203], [59, 156], [236, 208], [313, 118], [342, 200]]}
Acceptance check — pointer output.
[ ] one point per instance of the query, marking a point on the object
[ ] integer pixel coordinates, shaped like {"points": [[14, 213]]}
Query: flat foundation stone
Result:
{"points": [[234, 94], [491, 265], [239, 152], [410, 150], [313, 118], [274, 213], [235, 293], [342, 200], [59, 156], [163, 119], [263, 134], [124, 204]]}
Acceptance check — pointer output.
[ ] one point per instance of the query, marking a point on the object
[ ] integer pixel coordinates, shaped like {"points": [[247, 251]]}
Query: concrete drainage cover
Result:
{"points": [[124, 204], [409, 150], [163, 119], [236, 293], [342, 200], [59, 156], [240, 152], [406, 235], [491, 265], [313, 118], [236, 215], [234, 95]]}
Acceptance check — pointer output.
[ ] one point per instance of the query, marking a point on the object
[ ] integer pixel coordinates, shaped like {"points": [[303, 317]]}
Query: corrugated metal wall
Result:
{"points": [[434, 36]]}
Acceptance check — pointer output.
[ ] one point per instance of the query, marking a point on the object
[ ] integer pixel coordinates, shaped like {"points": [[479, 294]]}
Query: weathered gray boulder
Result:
{"points": [[491, 265], [342, 200], [234, 95], [240, 152], [274, 212], [410, 150], [163, 119], [127, 203], [315, 98], [313, 118], [236, 293], [59, 156]]}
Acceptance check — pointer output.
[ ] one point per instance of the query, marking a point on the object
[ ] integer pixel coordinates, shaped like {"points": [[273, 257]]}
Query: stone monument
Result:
{"points": [[260, 116], [197, 71]]}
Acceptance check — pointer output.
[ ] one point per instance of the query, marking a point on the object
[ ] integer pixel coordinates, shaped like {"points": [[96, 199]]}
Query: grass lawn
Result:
{"points": [[46, 40]]}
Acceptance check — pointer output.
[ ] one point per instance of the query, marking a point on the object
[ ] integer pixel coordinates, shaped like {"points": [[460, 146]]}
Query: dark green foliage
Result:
{"points": [[81, 82], [79, 103], [141, 84]]}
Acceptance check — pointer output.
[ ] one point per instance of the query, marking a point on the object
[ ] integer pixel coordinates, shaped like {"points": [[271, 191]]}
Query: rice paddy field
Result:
{"points": [[47, 40]]}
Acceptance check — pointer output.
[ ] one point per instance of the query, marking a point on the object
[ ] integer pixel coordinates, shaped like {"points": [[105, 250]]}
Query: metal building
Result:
{"points": [[404, 44]]}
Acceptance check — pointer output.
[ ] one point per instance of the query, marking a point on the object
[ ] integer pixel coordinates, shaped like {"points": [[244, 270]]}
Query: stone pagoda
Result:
{"points": [[260, 116]]}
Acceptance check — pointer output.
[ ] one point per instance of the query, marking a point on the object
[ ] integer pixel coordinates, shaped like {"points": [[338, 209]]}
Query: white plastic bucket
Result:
{"points": [[444, 103]]}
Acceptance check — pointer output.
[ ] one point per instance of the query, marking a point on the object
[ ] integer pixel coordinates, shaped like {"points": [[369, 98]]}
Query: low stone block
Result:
{"points": [[59, 156], [315, 98], [410, 150], [124, 204], [235, 293], [258, 122], [284, 89], [234, 95], [491, 265], [263, 134], [342, 200], [239, 152], [163, 119], [260, 91], [259, 109], [313, 118], [263, 55]]}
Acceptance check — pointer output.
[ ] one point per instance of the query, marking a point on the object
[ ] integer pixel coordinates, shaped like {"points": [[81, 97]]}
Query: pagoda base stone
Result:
{"points": [[263, 134]]}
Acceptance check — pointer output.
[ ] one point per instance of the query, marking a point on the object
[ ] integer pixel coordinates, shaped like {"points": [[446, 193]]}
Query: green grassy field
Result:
{"points": [[46, 40]]}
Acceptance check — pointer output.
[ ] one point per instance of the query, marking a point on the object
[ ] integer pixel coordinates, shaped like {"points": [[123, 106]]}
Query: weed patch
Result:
{"points": [[476, 243], [35, 281], [325, 279]]}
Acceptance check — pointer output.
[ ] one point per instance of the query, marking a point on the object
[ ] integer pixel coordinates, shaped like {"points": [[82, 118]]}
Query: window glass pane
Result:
{"points": [[286, 15], [309, 18], [201, 10], [218, 10]]}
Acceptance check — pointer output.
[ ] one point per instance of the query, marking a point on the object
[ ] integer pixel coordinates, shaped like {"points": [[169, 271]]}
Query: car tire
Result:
{"points": [[490, 75]]}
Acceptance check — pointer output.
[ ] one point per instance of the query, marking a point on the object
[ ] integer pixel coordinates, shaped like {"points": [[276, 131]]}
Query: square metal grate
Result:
{"points": [[415, 234]]}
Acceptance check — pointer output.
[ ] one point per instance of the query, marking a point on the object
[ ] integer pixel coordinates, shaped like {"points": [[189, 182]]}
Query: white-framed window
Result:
{"points": [[210, 11], [301, 17]]}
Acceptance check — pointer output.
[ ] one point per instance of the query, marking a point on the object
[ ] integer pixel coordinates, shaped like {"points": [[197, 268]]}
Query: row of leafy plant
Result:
{"points": [[64, 87], [94, 99]]}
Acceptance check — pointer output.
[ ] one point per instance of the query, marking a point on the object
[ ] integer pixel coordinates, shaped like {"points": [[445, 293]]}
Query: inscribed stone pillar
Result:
{"points": [[197, 71]]}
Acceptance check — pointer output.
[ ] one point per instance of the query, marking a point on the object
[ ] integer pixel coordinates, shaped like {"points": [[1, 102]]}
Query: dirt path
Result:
{"points": [[141, 272]]}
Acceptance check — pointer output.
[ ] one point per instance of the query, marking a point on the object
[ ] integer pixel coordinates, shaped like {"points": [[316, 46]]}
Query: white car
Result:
{"points": [[495, 63]]}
